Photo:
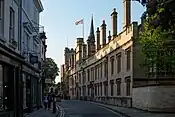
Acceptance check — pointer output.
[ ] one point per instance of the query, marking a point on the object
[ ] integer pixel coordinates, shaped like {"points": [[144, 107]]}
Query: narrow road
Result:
{"points": [[75, 108]]}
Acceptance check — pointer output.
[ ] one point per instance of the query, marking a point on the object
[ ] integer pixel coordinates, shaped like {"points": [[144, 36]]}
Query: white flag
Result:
{"points": [[79, 22]]}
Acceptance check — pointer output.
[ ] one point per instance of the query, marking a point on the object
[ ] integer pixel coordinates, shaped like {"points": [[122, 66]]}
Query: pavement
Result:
{"points": [[131, 112], [76, 108], [43, 113]]}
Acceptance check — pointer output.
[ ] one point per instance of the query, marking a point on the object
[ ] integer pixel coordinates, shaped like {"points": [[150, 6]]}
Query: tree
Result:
{"points": [[51, 69], [157, 39]]}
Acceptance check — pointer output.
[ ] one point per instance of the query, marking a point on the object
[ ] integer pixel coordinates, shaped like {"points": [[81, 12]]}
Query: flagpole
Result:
{"points": [[67, 41], [83, 29]]}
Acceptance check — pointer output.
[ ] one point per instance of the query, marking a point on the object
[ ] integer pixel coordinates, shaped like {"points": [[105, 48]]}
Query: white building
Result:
{"points": [[32, 47], [22, 52]]}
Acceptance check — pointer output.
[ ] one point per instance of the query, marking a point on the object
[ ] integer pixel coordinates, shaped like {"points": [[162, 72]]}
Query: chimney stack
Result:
{"points": [[98, 38], [103, 33], [109, 37], [127, 13], [114, 22]]}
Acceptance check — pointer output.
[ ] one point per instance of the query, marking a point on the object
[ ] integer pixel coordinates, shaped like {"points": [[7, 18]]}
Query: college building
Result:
{"points": [[107, 69]]}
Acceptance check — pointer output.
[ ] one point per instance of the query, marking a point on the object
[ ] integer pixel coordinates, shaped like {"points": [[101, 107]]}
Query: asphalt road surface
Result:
{"points": [[75, 108]]}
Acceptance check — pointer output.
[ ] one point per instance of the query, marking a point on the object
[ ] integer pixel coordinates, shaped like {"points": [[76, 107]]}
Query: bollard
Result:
{"points": [[54, 107]]}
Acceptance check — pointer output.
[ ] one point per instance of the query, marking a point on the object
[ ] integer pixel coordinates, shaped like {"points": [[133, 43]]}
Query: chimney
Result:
{"points": [[103, 33], [114, 22], [109, 37], [127, 13], [98, 38]]}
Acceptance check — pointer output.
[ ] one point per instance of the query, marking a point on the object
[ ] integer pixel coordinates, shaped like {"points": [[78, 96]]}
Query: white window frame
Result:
{"points": [[12, 25], [1, 9], [27, 46], [2, 19]]}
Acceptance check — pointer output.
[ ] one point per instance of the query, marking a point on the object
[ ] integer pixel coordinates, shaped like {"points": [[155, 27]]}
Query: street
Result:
{"points": [[75, 108]]}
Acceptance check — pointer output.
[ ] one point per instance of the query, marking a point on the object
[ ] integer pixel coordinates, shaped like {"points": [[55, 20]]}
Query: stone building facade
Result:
{"points": [[22, 50], [109, 71]]}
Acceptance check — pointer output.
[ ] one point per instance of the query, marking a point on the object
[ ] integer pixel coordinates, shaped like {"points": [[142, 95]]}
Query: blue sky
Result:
{"points": [[59, 18]]}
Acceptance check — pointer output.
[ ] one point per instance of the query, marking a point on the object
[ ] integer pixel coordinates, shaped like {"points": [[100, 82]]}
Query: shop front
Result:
{"points": [[32, 91], [7, 100], [10, 83]]}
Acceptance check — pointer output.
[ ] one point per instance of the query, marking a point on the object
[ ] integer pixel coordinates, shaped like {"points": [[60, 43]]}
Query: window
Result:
{"points": [[6, 86], [75, 79], [101, 89], [80, 90], [118, 63], [105, 89], [1, 87], [92, 74], [72, 80], [88, 91], [84, 77], [26, 41], [88, 73], [98, 89], [118, 82], [84, 90], [12, 24], [72, 91], [1, 9], [112, 65], [95, 90], [112, 88], [2, 18], [34, 93], [98, 71], [106, 68], [128, 59], [128, 86], [79, 77], [101, 69]]}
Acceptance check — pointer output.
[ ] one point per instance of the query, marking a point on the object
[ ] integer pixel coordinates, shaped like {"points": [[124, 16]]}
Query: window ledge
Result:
{"points": [[2, 39], [12, 46]]}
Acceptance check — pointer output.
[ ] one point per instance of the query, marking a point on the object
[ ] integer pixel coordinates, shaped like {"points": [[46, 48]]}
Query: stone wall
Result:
{"points": [[118, 101], [154, 98]]}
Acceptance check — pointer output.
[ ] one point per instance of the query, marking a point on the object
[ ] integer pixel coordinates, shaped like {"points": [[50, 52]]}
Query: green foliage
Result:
{"points": [[51, 69], [157, 41]]}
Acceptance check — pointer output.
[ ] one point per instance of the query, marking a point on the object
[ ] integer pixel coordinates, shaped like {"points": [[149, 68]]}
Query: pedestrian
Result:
{"points": [[49, 101], [54, 104], [45, 102]]}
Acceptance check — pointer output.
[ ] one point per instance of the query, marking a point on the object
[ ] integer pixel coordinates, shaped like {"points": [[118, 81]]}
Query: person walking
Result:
{"points": [[49, 101], [45, 102]]}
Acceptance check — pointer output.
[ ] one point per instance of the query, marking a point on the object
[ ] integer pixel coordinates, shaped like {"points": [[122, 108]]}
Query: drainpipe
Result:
{"points": [[20, 25], [19, 88]]}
